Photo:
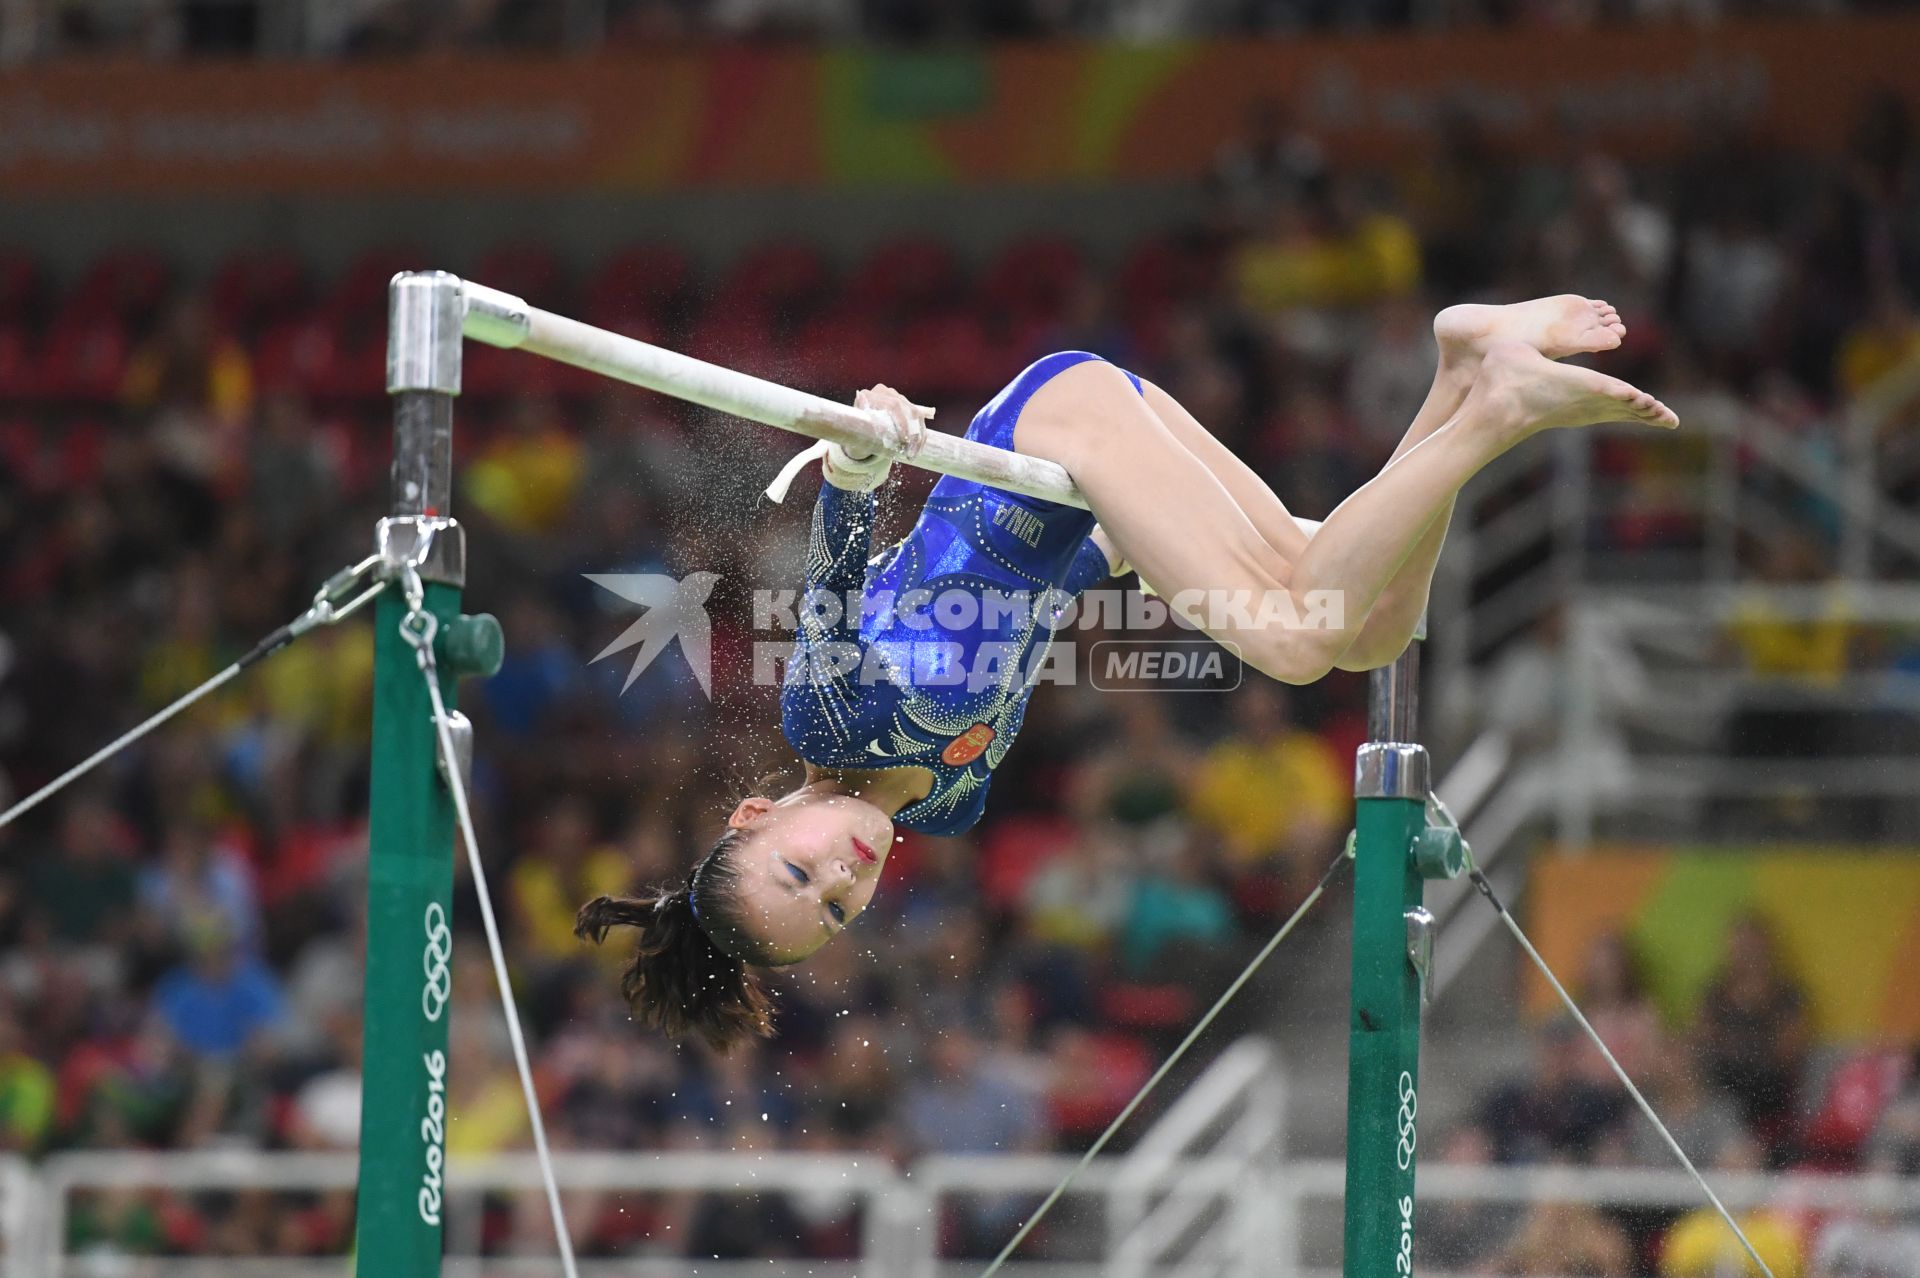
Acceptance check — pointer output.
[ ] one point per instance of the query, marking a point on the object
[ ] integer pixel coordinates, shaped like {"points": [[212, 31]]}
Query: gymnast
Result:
{"points": [[918, 747]]}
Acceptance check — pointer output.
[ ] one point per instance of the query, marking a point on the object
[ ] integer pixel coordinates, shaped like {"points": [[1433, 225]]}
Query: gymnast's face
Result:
{"points": [[811, 866]]}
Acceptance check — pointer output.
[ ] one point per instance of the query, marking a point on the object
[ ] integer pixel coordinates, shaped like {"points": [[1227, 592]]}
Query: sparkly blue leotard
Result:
{"points": [[932, 665]]}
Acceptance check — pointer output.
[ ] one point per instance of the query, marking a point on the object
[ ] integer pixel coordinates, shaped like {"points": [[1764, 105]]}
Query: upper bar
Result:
{"points": [[500, 319]]}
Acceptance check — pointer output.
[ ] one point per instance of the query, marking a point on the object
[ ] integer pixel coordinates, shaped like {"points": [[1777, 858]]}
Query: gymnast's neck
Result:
{"points": [[888, 789]]}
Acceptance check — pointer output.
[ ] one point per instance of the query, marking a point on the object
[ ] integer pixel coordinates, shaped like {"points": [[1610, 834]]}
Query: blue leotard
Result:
{"points": [[910, 679]]}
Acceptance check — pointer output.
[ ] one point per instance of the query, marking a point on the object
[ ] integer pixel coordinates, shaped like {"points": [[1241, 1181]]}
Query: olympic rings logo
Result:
{"points": [[1409, 1109], [434, 963]]}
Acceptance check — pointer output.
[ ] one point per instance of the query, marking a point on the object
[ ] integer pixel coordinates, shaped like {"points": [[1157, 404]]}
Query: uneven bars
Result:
{"points": [[500, 319]]}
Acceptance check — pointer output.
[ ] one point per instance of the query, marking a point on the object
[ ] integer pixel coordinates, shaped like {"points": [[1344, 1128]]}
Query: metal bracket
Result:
{"points": [[496, 318], [460, 728], [1391, 770], [1420, 950], [397, 541], [424, 314]]}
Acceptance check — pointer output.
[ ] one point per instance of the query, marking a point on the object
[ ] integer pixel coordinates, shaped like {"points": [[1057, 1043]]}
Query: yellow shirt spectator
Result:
{"points": [[1271, 795], [527, 480], [1701, 1246], [546, 898]]}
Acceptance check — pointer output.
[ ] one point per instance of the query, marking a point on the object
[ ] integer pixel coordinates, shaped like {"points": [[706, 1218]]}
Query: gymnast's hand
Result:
{"points": [[908, 433], [905, 433]]}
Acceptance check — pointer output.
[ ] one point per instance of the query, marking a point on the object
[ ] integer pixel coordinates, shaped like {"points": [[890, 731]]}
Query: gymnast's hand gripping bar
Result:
{"points": [[500, 319]]}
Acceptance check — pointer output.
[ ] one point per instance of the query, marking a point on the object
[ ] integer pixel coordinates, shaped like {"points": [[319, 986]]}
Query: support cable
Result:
{"points": [[1193, 1036], [326, 609], [1486, 890], [418, 627]]}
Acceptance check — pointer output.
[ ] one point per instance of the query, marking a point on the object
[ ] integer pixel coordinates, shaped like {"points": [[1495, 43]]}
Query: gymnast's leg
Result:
{"points": [[1180, 526], [1555, 326]]}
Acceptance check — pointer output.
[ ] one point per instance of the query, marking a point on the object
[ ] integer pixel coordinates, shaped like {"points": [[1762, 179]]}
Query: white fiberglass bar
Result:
{"points": [[500, 319]]}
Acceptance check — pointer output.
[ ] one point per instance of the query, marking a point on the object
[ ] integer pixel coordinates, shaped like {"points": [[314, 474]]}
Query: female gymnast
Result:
{"points": [[918, 744]]}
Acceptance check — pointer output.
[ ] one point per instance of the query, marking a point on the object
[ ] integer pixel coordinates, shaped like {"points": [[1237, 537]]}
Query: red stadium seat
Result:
{"points": [[639, 285], [1031, 279], [1154, 1008], [19, 373], [358, 302], [292, 354], [905, 277], [744, 339], [21, 287], [85, 359], [1856, 1096], [842, 352], [127, 285], [780, 278], [529, 271], [1161, 272], [1099, 1074], [254, 289], [947, 354]]}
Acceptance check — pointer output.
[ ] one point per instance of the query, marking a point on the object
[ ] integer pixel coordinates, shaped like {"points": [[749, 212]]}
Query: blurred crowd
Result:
{"points": [[1743, 1088], [362, 28], [186, 459]]}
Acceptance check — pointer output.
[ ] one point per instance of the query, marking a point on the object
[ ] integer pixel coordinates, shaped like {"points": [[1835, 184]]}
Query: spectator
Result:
{"points": [[221, 1002], [526, 479], [1700, 1246], [1871, 1239], [1273, 791], [1463, 1234], [1178, 918], [83, 887], [1555, 1111], [1707, 1125], [199, 884], [1614, 997], [1081, 896], [1567, 1238], [26, 1091], [961, 1106], [1755, 1031], [567, 867]]}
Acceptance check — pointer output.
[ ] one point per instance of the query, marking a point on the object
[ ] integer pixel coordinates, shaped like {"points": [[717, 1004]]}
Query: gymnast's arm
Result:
{"points": [[838, 546]]}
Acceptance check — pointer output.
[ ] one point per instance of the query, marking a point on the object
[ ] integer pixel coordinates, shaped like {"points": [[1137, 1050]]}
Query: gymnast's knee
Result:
{"points": [[1293, 656]]}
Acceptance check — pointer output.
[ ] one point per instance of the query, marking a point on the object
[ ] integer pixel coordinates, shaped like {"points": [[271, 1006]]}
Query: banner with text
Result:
{"points": [[1030, 114]]}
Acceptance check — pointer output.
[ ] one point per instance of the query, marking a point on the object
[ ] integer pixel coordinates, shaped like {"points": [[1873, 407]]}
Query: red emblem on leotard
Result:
{"points": [[968, 746]]}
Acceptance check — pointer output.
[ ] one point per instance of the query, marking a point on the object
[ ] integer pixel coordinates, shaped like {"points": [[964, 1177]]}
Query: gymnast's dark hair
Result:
{"points": [[688, 974]]}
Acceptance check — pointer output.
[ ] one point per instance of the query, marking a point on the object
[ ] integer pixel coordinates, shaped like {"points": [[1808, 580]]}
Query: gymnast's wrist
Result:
{"points": [[854, 475]]}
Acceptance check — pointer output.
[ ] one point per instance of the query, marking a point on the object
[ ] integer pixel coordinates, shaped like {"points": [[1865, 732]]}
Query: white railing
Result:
{"points": [[1679, 627], [1287, 1222], [1234, 1113]]}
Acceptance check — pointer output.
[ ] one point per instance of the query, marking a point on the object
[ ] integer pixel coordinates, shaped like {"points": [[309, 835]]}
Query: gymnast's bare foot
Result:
{"points": [[1556, 327], [1520, 392]]}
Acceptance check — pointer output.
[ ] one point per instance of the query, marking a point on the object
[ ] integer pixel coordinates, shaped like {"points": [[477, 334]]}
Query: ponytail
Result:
{"points": [[678, 981]]}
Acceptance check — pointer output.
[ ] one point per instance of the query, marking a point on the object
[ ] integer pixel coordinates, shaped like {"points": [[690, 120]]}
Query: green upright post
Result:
{"points": [[1394, 851], [410, 857]]}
